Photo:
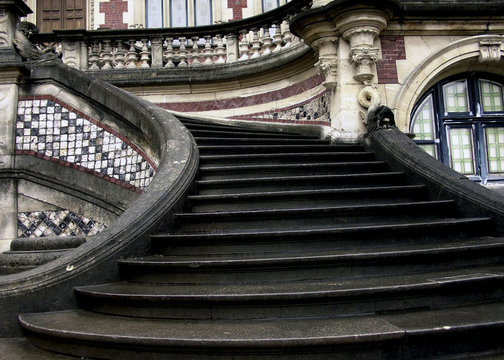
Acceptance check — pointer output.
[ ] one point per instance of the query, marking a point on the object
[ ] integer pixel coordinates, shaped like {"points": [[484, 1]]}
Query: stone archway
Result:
{"points": [[476, 53]]}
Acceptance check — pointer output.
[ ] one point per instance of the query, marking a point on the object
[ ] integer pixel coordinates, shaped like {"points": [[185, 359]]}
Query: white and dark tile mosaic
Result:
{"points": [[47, 128], [55, 223]]}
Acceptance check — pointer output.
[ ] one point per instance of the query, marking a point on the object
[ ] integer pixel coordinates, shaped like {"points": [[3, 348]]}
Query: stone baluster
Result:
{"points": [[195, 52], [131, 62], [157, 53], [231, 48], [94, 57], [221, 51], [107, 55], [190, 55], [208, 51], [256, 44], [182, 53], [286, 33], [119, 56], [267, 41], [169, 53], [244, 46], [277, 37], [144, 55]]}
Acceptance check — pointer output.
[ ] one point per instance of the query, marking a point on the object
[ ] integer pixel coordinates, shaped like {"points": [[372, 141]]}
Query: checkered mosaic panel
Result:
{"points": [[55, 223], [48, 128]]}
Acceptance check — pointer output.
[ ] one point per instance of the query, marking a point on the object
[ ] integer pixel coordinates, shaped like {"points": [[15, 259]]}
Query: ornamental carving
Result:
{"points": [[490, 51], [327, 65], [364, 60]]}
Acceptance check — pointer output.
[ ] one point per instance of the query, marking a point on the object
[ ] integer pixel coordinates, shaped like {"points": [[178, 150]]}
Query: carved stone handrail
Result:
{"points": [[251, 38]]}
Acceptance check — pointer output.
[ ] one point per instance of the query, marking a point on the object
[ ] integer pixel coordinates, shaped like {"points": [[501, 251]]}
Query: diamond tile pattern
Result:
{"points": [[55, 223], [47, 127]]}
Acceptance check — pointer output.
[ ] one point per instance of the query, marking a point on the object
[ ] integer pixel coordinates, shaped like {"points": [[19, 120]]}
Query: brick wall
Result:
{"points": [[392, 49], [237, 6], [113, 11]]}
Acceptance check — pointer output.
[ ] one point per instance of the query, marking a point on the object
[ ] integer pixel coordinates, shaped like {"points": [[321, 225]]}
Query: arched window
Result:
{"points": [[460, 121]]}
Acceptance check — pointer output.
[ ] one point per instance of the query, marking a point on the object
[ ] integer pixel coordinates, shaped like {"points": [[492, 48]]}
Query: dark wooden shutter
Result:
{"points": [[61, 14]]}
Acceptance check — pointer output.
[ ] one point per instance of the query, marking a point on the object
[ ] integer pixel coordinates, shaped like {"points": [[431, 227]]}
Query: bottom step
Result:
{"points": [[410, 335]]}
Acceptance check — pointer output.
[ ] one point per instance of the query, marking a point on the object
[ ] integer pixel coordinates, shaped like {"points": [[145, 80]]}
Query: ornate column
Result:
{"points": [[348, 64], [360, 27]]}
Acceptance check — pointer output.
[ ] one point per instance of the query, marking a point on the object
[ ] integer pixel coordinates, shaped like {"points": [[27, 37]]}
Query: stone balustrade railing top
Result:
{"points": [[98, 50]]}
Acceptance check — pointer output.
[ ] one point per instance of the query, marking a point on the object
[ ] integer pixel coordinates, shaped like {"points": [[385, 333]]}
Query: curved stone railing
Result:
{"points": [[442, 182], [48, 287], [100, 50]]}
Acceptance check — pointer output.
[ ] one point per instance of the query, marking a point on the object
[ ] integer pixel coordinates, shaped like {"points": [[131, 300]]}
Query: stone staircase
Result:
{"points": [[293, 248]]}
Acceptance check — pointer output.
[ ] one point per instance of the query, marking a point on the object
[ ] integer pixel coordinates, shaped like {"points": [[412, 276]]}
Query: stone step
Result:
{"points": [[230, 133], [272, 148], [194, 125], [303, 298], [356, 238], [303, 218], [47, 243], [299, 182], [21, 349], [417, 334], [306, 198], [335, 265], [17, 261], [291, 169], [256, 141], [282, 158]]}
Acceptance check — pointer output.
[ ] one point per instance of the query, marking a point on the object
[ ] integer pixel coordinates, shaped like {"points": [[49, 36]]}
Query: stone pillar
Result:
{"points": [[9, 79], [343, 34], [10, 74]]}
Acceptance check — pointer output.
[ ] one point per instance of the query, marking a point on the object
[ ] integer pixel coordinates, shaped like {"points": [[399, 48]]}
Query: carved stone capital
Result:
{"points": [[327, 65], [364, 59], [490, 51]]}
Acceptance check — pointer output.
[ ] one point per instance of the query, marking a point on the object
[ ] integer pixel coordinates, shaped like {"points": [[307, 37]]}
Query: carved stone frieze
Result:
{"points": [[490, 51]]}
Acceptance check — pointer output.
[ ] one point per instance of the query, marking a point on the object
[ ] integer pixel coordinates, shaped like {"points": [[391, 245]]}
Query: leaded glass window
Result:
{"points": [[491, 96], [269, 5], [154, 10], [455, 97], [461, 150], [495, 149], [423, 120], [178, 10], [202, 12]]}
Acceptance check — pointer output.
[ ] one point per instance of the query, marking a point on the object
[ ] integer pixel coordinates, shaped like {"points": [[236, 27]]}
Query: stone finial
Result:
{"points": [[490, 51], [327, 63]]}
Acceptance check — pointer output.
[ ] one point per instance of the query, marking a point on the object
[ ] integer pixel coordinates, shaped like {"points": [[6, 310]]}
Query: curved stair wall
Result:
{"points": [[161, 138]]}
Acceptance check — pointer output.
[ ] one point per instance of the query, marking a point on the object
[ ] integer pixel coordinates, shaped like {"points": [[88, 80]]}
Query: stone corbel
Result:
{"points": [[490, 51], [360, 28], [327, 64]]}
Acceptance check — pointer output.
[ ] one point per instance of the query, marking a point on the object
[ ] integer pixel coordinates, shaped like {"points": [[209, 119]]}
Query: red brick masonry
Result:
{"points": [[392, 49]]}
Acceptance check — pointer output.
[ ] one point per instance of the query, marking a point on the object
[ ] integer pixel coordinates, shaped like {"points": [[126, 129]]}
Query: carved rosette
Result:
{"points": [[490, 51], [327, 65]]}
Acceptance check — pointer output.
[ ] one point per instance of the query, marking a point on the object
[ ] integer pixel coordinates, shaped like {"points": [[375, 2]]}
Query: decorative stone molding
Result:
{"points": [[490, 51], [360, 28], [327, 64]]}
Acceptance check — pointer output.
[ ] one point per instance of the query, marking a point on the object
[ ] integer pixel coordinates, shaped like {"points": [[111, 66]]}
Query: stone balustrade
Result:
{"points": [[99, 50]]}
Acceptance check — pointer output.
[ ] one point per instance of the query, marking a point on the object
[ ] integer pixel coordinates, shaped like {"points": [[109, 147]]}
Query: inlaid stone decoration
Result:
{"points": [[314, 111], [49, 129], [55, 223]]}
